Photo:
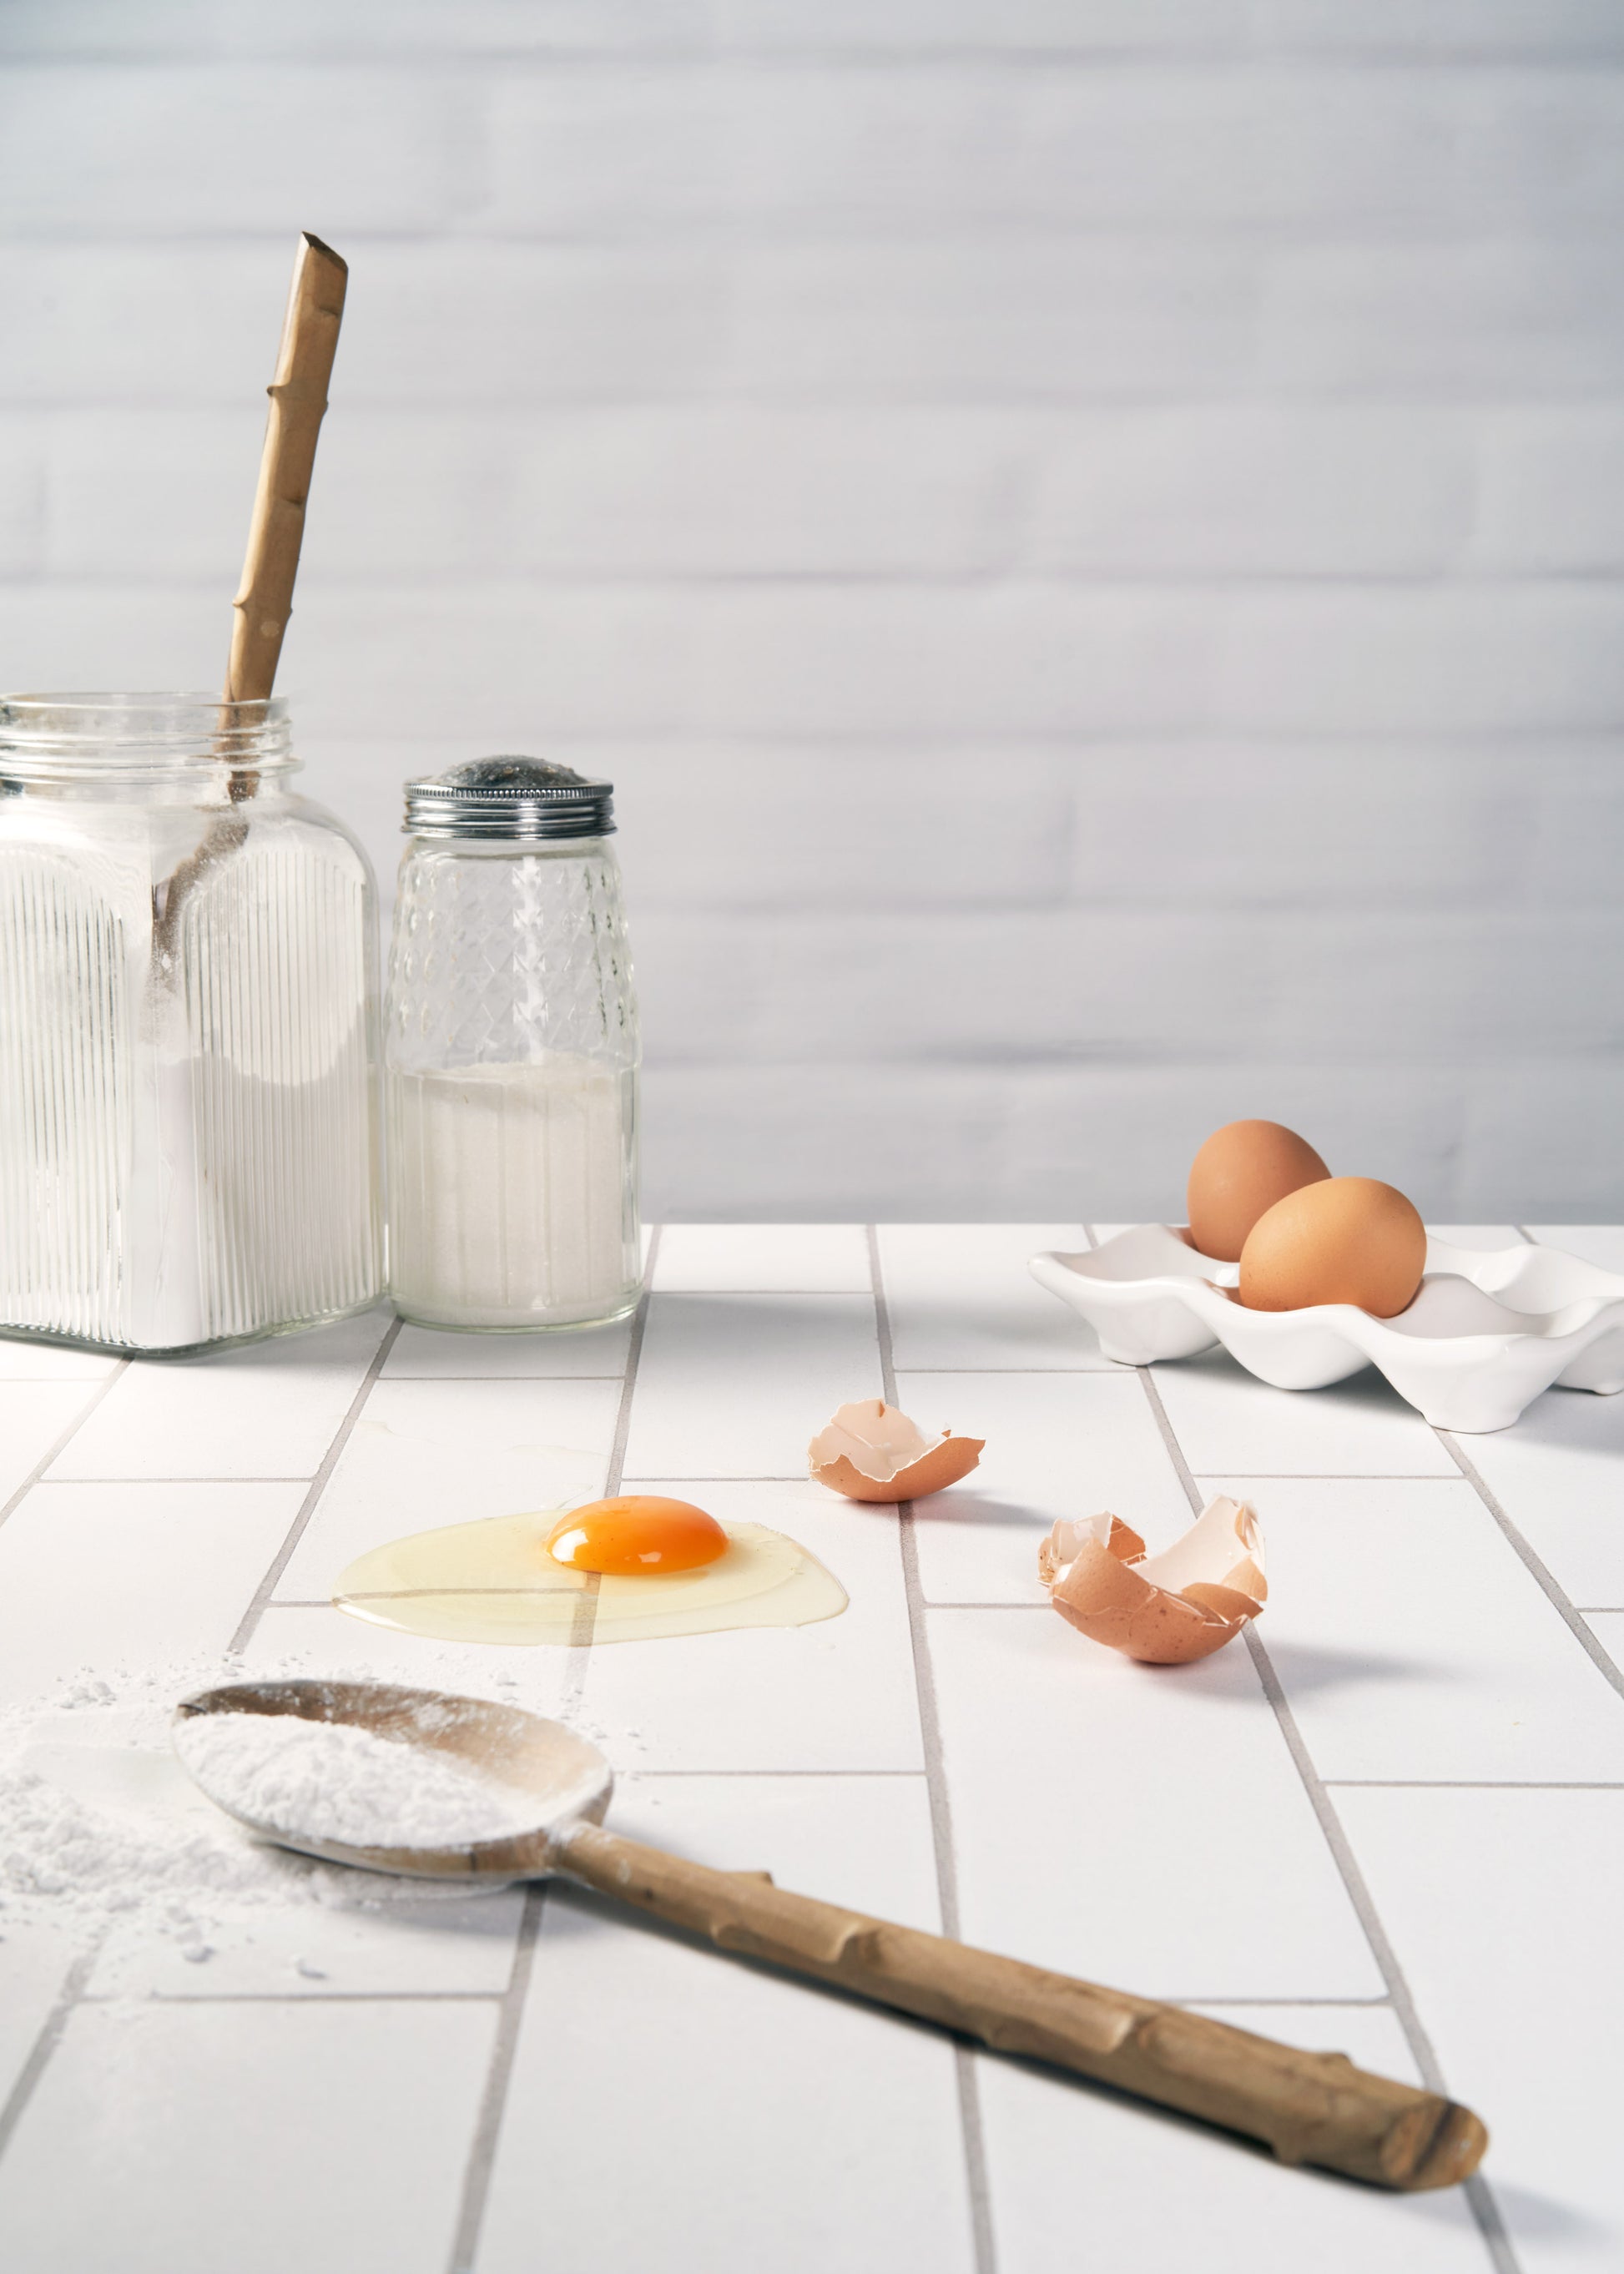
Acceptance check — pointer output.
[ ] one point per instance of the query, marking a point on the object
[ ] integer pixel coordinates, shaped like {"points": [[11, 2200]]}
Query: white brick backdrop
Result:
{"points": [[1087, 532]]}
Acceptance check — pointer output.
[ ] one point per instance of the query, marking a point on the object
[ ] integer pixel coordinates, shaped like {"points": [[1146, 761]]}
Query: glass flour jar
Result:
{"points": [[510, 1056], [188, 997]]}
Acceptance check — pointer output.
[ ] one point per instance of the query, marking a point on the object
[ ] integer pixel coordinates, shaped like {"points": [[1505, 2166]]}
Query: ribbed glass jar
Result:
{"points": [[188, 1003], [510, 1057]]}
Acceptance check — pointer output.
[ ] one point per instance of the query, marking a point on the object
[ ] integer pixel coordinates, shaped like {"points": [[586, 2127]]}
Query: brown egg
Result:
{"points": [[1238, 1174], [1348, 1240]]}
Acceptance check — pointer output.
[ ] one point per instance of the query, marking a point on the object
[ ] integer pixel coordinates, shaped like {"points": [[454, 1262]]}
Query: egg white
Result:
{"points": [[493, 1581]]}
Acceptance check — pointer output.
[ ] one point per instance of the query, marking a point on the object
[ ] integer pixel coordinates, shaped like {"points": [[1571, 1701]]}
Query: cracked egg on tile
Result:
{"points": [[870, 1451], [637, 1567], [1167, 1609]]}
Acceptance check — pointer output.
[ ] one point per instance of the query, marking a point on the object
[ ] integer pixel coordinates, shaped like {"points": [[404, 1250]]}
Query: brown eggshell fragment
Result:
{"points": [[1167, 1609], [1350, 1239], [1240, 1172], [1071, 1534], [870, 1451]]}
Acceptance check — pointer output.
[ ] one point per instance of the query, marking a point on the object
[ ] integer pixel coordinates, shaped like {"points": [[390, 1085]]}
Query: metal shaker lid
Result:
{"points": [[509, 797]]}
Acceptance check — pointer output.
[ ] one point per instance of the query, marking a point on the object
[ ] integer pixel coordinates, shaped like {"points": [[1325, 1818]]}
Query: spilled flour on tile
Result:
{"points": [[101, 1827]]}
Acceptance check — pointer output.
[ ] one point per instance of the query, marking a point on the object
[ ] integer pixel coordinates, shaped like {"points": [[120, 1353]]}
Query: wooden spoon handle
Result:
{"points": [[298, 397], [1314, 2108]]}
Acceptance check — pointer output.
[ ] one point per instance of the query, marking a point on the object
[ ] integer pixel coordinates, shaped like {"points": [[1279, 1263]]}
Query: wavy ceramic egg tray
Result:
{"points": [[1489, 1330]]}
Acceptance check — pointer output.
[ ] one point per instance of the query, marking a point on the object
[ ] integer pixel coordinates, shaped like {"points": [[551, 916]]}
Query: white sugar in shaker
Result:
{"points": [[510, 1056]]}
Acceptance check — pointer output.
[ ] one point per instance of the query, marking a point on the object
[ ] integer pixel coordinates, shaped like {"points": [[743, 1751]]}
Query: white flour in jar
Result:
{"points": [[332, 1780], [509, 1194]]}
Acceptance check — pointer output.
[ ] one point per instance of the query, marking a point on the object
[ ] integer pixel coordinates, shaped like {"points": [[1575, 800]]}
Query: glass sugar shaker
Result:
{"points": [[510, 1056], [188, 1010]]}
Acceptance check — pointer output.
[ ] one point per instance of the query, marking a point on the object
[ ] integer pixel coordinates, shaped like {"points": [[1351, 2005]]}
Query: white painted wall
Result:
{"points": [[1087, 532]]}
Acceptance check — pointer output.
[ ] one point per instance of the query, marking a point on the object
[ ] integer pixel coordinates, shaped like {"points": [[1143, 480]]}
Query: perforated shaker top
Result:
{"points": [[509, 797]]}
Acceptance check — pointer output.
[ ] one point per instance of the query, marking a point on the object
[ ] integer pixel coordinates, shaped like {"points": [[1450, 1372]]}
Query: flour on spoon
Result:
{"points": [[331, 1781]]}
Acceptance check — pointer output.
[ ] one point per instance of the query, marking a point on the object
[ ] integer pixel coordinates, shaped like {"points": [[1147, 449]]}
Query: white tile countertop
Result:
{"points": [[1391, 1820]]}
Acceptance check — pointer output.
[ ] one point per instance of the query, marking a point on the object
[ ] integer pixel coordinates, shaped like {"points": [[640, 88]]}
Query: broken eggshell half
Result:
{"points": [[869, 1451], [1169, 1608]]}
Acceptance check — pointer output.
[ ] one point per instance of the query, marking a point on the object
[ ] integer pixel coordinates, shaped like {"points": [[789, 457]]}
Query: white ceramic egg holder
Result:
{"points": [[1489, 1330]]}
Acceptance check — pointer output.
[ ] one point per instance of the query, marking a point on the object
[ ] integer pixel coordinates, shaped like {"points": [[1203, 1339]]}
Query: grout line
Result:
{"points": [[1364, 2005], [531, 1380], [1557, 1596], [941, 1812], [665, 1477], [637, 1776], [1328, 1476], [1485, 2209], [267, 1587], [44, 2046], [757, 1291], [493, 2100], [1479, 1784], [482, 2148], [584, 1625], [951, 1603], [1106, 1365], [256, 1479], [300, 1998], [1491, 2226], [60, 1446]]}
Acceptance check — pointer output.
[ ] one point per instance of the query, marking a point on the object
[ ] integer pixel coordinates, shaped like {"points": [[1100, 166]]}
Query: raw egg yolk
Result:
{"points": [[638, 1533]]}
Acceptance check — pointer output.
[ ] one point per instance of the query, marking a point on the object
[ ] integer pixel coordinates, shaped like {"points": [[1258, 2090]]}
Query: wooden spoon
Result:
{"points": [[299, 396], [264, 601], [1314, 2108]]}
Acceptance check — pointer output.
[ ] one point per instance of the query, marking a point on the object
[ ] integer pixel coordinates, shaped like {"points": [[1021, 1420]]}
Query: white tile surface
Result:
{"points": [[425, 1454], [97, 1576], [269, 1410], [1558, 1476], [774, 2125], [960, 1296], [705, 1258], [145, 2147], [1134, 1824], [27, 1361], [315, 1641], [1080, 2176], [1505, 1907], [448, 1947], [736, 1385], [1056, 1445], [864, 1841], [32, 1416], [422, 1355], [839, 1695], [1412, 1642], [1229, 1422], [34, 1966], [1111, 1820]]}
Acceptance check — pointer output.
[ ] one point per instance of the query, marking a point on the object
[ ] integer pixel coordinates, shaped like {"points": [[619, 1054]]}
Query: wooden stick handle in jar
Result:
{"points": [[1313, 2108], [298, 397]]}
